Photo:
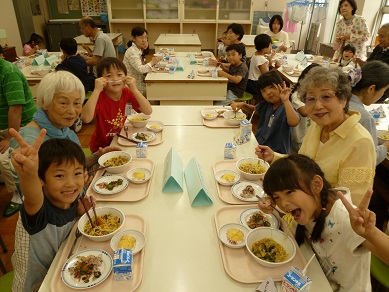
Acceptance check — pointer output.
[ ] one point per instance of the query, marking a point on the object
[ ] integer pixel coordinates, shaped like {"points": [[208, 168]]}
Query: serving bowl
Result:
{"points": [[209, 114], [381, 134], [115, 154], [138, 120], [101, 211], [155, 126], [232, 119], [277, 235], [252, 162], [223, 235], [139, 237]]}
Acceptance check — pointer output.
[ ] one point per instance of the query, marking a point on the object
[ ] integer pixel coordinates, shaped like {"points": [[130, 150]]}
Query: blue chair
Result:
{"points": [[379, 270]]}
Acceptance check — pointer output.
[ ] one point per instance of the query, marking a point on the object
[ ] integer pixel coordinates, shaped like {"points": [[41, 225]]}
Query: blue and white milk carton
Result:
{"points": [[295, 281], [141, 150], [230, 151], [244, 134], [122, 264]]}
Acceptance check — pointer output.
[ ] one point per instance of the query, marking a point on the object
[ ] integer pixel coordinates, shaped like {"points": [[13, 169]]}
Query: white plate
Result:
{"points": [[107, 179], [139, 181], [246, 214], [209, 114], [155, 126], [223, 235], [139, 236], [105, 269], [238, 188], [150, 136], [219, 174]]}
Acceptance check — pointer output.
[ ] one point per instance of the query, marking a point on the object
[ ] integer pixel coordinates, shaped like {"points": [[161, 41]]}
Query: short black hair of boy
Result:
{"points": [[107, 63], [280, 20], [236, 47], [270, 78], [262, 41], [69, 46], [58, 151], [349, 47], [236, 29]]}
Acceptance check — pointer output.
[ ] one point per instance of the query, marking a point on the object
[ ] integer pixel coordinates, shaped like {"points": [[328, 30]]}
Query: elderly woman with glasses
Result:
{"points": [[336, 140]]}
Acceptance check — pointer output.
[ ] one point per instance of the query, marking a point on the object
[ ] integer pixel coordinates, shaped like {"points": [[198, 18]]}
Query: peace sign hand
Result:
{"points": [[361, 218], [284, 92]]}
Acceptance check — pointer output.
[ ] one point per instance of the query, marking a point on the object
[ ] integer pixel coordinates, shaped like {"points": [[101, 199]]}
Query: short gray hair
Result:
{"points": [[332, 77], [58, 81]]}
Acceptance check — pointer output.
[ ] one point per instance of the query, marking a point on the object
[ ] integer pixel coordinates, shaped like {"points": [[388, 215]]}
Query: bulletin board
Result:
{"points": [[76, 9]]}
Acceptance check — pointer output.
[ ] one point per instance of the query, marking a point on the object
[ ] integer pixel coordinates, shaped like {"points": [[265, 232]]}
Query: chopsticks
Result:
{"points": [[274, 208], [94, 210], [97, 169], [87, 213], [126, 138]]}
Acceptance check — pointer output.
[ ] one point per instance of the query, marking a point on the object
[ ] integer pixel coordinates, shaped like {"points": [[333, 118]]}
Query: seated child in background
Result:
{"points": [[346, 61], [72, 62], [301, 129], [298, 186], [51, 177], [236, 73], [33, 45], [276, 113], [221, 50], [111, 101]]}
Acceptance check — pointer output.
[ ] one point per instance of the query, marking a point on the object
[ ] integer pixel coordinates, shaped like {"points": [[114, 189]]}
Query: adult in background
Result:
{"points": [[350, 29], [17, 107], [134, 58], [103, 46], [275, 25]]}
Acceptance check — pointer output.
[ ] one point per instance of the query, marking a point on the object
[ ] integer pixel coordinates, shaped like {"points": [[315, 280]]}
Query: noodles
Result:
{"points": [[384, 137], [288, 217], [138, 119], [116, 161], [252, 168], [269, 250], [107, 224]]}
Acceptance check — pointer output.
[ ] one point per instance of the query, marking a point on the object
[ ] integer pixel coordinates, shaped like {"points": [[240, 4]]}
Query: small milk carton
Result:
{"points": [[141, 150], [122, 264], [295, 281], [244, 134], [230, 151]]}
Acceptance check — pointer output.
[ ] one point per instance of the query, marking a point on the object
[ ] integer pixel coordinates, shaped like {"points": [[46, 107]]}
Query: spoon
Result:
{"points": [[126, 130]]}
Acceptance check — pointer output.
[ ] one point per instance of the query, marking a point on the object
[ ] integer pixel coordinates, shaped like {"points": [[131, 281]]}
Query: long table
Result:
{"points": [[116, 38], [182, 248], [178, 42]]}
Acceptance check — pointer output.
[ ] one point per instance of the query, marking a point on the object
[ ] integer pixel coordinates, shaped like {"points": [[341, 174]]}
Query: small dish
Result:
{"points": [[139, 175], [106, 180], [209, 114], [238, 189], [203, 71], [222, 233], [139, 236], [221, 178], [155, 126], [144, 137], [246, 214]]}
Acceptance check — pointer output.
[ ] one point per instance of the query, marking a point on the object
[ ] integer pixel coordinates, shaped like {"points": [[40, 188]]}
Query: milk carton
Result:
{"points": [[230, 151], [141, 150], [244, 134], [295, 281], [122, 264]]}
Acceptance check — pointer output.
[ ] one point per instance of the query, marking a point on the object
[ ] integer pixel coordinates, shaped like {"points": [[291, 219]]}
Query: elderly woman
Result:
{"points": [[134, 57], [342, 148], [350, 29], [275, 25], [60, 98]]}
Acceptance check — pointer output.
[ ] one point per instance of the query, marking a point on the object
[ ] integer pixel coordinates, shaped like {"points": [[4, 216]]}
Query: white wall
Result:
{"points": [[9, 23]]}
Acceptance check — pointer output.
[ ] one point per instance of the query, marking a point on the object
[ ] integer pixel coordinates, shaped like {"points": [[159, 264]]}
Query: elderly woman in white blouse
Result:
{"points": [[134, 58]]}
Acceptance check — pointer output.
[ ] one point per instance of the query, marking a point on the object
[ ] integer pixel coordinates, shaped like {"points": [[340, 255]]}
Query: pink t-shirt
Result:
{"points": [[26, 49]]}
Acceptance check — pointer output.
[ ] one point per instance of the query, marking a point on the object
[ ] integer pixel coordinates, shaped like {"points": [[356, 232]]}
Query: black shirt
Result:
{"points": [[77, 66]]}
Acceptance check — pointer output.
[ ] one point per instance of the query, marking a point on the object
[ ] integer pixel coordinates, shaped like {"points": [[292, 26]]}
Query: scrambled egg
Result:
{"points": [[138, 175], [127, 242], [228, 177], [234, 235]]}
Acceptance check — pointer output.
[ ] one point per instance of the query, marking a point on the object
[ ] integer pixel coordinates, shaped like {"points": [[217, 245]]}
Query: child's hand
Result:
{"points": [[100, 84], [87, 201], [235, 106], [131, 83], [25, 158], [107, 149], [265, 153], [265, 207], [361, 218], [284, 92]]}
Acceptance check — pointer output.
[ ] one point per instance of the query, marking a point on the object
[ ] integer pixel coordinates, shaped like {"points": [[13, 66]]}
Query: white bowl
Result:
{"points": [[222, 233], [155, 126], [206, 54], [209, 114], [139, 236], [146, 178], [287, 68], [101, 211], [232, 120], [138, 120], [222, 181], [42, 72], [380, 134], [254, 160], [115, 169], [275, 234]]}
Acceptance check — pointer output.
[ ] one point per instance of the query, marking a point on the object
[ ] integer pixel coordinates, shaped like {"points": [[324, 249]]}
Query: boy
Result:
{"points": [[72, 62], [110, 102], [221, 50], [51, 177], [236, 73], [347, 58], [276, 113]]}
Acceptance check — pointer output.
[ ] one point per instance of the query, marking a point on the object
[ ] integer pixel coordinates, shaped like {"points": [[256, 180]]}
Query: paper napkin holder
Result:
{"points": [[172, 173], [50, 60], [300, 56], [40, 60]]}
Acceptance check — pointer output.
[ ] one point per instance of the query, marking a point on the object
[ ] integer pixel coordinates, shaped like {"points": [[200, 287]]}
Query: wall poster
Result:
{"points": [[93, 7]]}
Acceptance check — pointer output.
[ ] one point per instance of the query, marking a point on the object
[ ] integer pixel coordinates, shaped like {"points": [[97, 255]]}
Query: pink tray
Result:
{"points": [[134, 192], [132, 130], [239, 264], [219, 122], [224, 192], [132, 222]]}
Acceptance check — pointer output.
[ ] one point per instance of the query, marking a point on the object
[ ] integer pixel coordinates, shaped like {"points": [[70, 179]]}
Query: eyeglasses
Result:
{"points": [[324, 99]]}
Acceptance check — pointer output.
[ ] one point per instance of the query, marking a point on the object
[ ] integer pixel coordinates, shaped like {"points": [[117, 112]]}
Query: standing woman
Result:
{"points": [[276, 24], [350, 29], [134, 58]]}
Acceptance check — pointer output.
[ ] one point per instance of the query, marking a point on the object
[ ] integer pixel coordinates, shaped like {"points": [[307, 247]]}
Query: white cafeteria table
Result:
{"points": [[182, 249], [178, 42]]}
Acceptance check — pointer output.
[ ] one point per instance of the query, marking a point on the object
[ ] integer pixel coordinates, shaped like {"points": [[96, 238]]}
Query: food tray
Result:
{"points": [[224, 192], [293, 73], [132, 222], [239, 264], [219, 122], [132, 130], [134, 192]]}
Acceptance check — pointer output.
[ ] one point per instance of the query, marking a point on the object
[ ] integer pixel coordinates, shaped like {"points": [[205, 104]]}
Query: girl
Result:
{"points": [[111, 101], [297, 185], [276, 33], [33, 45]]}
